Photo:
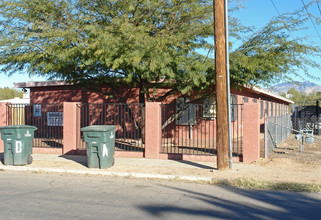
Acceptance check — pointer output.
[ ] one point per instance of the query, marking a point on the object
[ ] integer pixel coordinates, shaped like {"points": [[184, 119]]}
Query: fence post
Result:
{"points": [[153, 130], [276, 131], [3, 121], [71, 129], [266, 122], [251, 132]]}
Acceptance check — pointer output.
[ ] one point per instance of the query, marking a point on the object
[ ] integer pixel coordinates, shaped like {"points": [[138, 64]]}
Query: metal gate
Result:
{"points": [[128, 118], [191, 129], [48, 118]]}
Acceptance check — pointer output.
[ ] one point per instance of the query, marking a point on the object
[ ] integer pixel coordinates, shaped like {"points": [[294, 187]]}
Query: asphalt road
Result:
{"points": [[25, 195]]}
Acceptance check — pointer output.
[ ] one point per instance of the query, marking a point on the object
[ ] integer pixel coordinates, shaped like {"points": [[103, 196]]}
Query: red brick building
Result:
{"points": [[165, 135]]}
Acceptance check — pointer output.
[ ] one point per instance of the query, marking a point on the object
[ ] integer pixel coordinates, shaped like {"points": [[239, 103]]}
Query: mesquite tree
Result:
{"points": [[143, 44]]}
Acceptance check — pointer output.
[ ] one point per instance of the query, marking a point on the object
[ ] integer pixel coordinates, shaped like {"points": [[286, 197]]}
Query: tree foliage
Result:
{"points": [[302, 98], [7, 93], [141, 43]]}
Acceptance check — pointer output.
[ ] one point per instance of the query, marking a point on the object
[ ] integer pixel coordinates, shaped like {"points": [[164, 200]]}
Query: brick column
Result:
{"points": [[3, 121], [251, 132], [153, 130], [71, 130]]}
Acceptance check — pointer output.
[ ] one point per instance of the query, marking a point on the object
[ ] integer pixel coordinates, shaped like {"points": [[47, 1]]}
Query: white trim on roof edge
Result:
{"points": [[259, 90], [41, 84]]}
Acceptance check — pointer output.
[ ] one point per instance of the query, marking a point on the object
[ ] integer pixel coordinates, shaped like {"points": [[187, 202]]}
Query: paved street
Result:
{"points": [[26, 195]]}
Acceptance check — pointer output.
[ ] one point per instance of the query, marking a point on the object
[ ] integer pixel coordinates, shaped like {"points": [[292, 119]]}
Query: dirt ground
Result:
{"points": [[290, 150], [286, 163]]}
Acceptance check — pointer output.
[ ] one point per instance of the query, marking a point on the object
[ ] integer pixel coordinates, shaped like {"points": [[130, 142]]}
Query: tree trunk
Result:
{"points": [[141, 94]]}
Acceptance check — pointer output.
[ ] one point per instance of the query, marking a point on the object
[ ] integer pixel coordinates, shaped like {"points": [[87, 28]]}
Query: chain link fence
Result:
{"points": [[277, 129], [308, 123]]}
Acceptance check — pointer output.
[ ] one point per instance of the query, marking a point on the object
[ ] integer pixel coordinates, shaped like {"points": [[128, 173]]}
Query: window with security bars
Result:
{"points": [[185, 112], [234, 108], [266, 108], [209, 108], [245, 100]]}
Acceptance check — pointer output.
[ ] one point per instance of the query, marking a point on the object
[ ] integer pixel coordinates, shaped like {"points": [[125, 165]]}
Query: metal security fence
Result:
{"points": [[48, 118], [128, 118], [308, 123], [237, 111], [191, 129], [277, 129]]}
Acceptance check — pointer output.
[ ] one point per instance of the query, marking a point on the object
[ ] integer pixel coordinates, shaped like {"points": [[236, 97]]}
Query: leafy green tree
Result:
{"points": [[7, 93], [302, 98], [141, 43]]}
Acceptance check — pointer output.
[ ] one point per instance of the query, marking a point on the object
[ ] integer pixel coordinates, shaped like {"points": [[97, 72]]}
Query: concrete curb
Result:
{"points": [[106, 173]]}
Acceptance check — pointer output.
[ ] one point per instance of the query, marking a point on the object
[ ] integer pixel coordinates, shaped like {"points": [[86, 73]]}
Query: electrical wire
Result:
{"points": [[317, 1], [275, 7], [280, 15], [306, 9]]}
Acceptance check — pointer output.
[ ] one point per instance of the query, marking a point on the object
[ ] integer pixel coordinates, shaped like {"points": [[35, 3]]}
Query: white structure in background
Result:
{"points": [[288, 96], [17, 100]]}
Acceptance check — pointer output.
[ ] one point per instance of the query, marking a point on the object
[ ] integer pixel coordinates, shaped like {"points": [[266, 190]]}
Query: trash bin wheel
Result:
{"points": [[113, 163], [30, 159]]}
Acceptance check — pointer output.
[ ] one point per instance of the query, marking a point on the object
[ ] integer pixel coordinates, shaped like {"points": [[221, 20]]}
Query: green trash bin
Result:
{"points": [[100, 145], [18, 140]]}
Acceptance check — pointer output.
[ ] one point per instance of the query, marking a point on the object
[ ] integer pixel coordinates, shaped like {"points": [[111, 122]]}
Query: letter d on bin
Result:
{"points": [[18, 140]]}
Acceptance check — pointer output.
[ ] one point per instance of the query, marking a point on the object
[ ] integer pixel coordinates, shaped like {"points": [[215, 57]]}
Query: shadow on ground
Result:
{"points": [[76, 158], [240, 204], [195, 164]]}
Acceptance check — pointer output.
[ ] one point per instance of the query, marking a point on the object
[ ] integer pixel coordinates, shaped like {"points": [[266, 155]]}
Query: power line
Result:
{"points": [[306, 9], [317, 1], [275, 7], [280, 15]]}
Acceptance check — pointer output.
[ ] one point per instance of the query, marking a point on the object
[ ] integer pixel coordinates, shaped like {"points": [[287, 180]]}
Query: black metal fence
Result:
{"points": [[48, 118], [128, 118], [191, 129], [237, 111]]}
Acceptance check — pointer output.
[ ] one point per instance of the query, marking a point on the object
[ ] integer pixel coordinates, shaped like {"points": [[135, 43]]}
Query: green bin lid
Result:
{"points": [[19, 127], [99, 128]]}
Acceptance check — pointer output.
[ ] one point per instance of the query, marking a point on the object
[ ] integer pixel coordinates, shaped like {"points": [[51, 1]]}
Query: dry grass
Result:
{"points": [[290, 149], [265, 185]]}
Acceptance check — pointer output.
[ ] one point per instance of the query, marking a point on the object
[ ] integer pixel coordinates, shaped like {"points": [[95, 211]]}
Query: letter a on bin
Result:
{"points": [[105, 150]]}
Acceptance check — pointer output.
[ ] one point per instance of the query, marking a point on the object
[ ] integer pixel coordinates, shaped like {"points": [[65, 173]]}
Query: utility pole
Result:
{"points": [[222, 131]]}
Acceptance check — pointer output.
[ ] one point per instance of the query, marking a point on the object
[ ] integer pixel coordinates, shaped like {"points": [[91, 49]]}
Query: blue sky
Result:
{"points": [[257, 13], [7, 81]]}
